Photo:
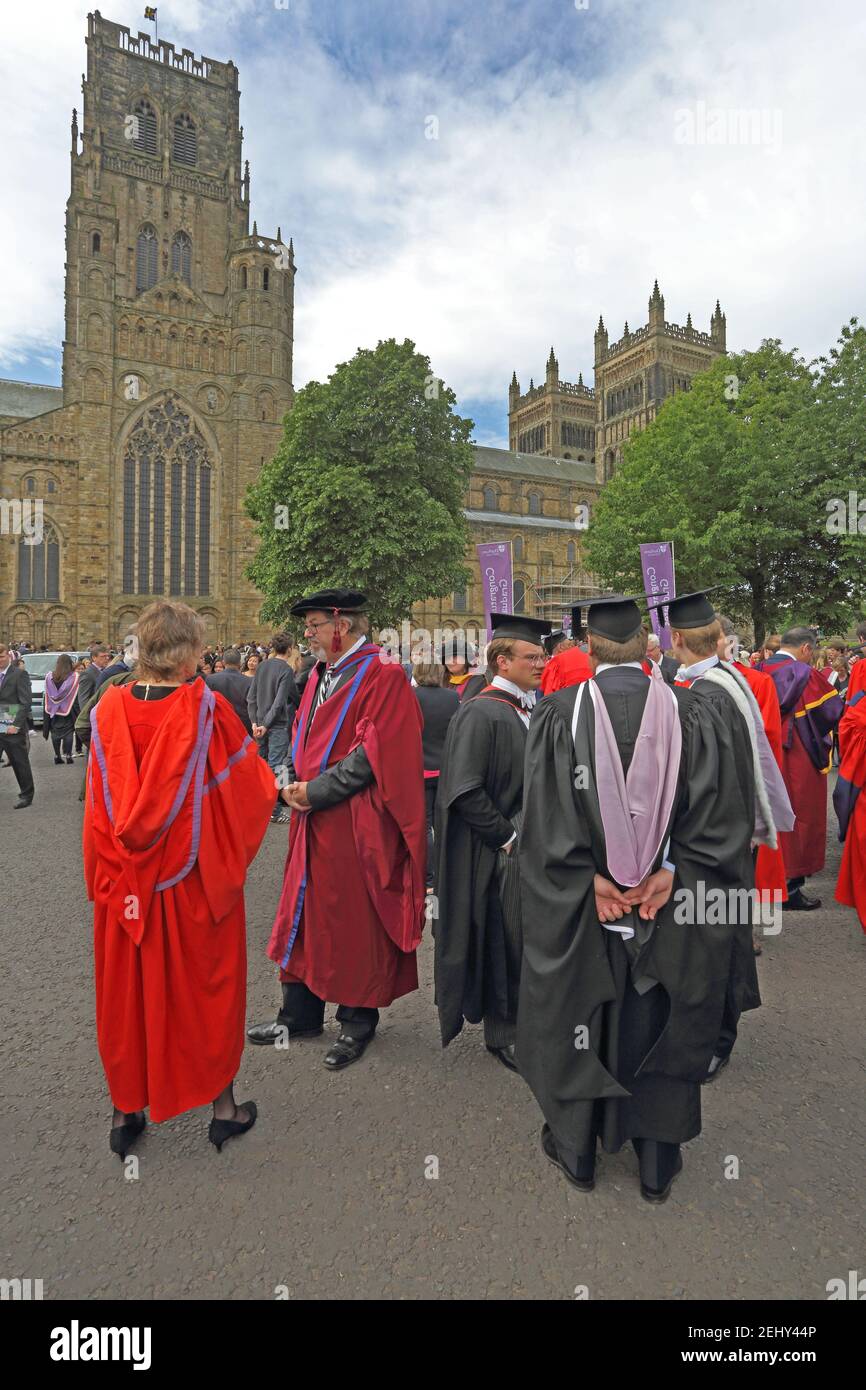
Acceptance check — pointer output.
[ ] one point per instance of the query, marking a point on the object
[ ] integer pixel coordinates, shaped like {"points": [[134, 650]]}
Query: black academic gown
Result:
{"points": [[480, 793], [651, 1007]]}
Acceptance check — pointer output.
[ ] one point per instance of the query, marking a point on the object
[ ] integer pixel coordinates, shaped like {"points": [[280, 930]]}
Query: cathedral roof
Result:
{"points": [[24, 399], [533, 466]]}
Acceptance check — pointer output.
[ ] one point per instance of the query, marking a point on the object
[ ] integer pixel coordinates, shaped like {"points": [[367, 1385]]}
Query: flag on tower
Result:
{"points": [[150, 12]]}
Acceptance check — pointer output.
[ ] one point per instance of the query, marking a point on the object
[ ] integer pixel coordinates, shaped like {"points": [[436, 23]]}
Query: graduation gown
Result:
{"points": [[480, 793], [651, 1007], [770, 876], [810, 709], [352, 907], [849, 799], [177, 803]]}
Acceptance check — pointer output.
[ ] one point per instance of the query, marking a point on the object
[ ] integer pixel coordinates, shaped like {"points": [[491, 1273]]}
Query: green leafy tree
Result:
{"points": [[737, 473], [366, 489]]}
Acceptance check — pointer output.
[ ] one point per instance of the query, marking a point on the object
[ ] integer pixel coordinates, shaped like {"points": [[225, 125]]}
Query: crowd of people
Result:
{"points": [[596, 829]]}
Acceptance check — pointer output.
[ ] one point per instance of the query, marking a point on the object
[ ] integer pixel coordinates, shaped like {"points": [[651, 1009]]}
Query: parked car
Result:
{"points": [[38, 665]]}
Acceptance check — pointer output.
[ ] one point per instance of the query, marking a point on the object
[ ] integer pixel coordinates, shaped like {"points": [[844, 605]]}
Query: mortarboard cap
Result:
{"points": [[521, 628], [687, 610], [331, 601], [615, 617]]}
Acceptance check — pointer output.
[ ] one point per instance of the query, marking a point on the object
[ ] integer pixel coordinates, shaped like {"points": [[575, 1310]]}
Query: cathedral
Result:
{"points": [[177, 372], [177, 362], [633, 377]]}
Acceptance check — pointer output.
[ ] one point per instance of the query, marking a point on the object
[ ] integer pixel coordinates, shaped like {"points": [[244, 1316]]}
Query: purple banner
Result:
{"points": [[494, 559], [657, 562]]}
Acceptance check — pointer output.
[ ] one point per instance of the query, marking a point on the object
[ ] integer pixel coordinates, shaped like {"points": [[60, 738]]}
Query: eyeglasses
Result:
{"points": [[533, 660], [312, 627]]}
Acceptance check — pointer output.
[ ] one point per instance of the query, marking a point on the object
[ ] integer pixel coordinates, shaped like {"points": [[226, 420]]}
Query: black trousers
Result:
{"points": [[305, 1009], [795, 883], [62, 744], [17, 749]]}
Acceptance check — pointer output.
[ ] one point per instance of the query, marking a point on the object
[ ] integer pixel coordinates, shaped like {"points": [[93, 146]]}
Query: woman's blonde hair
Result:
{"points": [[170, 635]]}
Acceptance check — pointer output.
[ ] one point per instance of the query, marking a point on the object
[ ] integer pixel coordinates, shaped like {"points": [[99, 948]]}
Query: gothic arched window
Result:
{"points": [[146, 255], [95, 244], [517, 548], [167, 493], [489, 500], [39, 567], [569, 553], [243, 277], [460, 601], [266, 279], [519, 596], [534, 504], [181, 256], [144, 127], [185, 145]]}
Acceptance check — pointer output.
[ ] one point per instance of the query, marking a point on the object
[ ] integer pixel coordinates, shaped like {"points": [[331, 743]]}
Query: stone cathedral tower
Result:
{"points": [[177, 360]]}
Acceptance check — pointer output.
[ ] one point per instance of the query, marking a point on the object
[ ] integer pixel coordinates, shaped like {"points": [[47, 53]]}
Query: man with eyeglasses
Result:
{"points": [[479, 944], [353, 903]]}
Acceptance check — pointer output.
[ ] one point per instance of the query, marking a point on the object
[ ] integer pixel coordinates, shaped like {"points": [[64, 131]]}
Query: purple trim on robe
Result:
{"points": [[59, 700], [235, 757], [197, 791], [296, 916], [202, 739], [98, 749]]}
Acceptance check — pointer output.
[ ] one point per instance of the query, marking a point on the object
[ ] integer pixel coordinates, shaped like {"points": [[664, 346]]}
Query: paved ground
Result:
{"points": [[328, 1196]]}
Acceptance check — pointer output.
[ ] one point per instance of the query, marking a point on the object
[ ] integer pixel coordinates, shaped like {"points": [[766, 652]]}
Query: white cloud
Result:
{"points": [[549, 197]]}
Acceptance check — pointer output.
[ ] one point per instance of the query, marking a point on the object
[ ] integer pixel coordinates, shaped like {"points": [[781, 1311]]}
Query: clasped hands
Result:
{"points": [[612, 903], [295, 796]]}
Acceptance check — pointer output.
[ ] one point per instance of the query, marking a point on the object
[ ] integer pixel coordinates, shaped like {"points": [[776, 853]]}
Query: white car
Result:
{"points": [[38, 665]]}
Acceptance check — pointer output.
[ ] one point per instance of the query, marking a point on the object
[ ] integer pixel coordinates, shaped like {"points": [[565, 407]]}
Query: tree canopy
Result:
{"points": [[743, 473], [366, 489]]}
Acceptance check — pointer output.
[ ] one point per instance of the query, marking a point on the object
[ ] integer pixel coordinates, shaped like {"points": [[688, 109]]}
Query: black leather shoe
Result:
{"points": [[505, 1055], [221, 1130], [716, 1065], [550, 1151], [652, 1194], [22, 802], [267, 1034], [345, 1051], [798, 901]]}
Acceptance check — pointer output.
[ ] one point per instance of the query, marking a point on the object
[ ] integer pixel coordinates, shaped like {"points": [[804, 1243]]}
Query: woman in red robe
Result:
{"points": [[177, 804]]}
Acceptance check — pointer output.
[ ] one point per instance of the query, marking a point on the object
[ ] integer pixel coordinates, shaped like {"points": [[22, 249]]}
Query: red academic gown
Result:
{"points": [[566, 668], [352, 907], [850, 800], [770, 876], [810, 710], [178, 801]]}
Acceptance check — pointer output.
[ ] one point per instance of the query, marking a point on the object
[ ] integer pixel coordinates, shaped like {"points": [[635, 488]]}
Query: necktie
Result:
{"points": [[325, 687]]}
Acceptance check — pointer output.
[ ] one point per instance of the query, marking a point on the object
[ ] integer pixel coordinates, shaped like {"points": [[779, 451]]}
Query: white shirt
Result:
{"points": [[332, 666], [527, 698], [691, 673], [783, 653]]}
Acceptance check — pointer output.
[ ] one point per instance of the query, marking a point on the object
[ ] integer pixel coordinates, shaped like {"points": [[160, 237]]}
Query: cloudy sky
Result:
{"points": [[487, 178]]}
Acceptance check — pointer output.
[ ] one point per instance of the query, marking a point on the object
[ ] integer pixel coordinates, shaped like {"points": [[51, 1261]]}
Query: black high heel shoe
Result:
{"points": [[122, 1137], [221, 1130]]}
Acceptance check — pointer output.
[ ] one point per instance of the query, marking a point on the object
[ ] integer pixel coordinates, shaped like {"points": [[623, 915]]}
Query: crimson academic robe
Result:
{"points": [[352, 907], [566, 668], [849, 799], [770, 876], [177, 804], [810, 709]]}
